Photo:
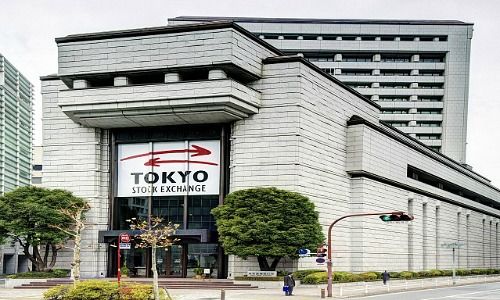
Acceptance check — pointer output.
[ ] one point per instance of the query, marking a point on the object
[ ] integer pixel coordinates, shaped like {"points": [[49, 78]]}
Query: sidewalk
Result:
{"points": [[302, 292]]}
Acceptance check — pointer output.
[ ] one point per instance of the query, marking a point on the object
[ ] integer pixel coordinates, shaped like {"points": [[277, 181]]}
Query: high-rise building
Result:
{"points": [[16, 102], [416, 70]]}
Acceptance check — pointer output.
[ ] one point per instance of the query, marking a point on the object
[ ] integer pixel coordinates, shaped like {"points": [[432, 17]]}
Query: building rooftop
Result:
{"points": [[320, 21]]}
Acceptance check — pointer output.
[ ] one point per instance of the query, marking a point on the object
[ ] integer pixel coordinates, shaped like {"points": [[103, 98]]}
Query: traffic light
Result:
{"points": [[396, 217], [321, 251]]}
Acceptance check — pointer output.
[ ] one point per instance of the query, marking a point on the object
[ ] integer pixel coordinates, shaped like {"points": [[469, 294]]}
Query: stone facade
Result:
{"points": [[306, 132]]}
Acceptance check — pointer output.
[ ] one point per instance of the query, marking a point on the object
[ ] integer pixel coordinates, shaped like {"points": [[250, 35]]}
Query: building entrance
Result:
{"points": [[170, 261]]}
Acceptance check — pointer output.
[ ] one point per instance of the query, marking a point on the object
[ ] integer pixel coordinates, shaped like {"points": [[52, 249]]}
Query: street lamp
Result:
{"points": [[384, 216]]}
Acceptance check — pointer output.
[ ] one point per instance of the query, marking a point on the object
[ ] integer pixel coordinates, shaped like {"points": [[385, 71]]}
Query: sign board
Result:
{"points": [[125, 246], [168, 168], [262, 273], [455, 245], [320, 261], [206, 271], [124, 238], [304, 252]]}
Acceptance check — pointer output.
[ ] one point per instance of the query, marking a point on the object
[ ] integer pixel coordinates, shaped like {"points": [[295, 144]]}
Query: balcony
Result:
{"points": [[191, 102]]}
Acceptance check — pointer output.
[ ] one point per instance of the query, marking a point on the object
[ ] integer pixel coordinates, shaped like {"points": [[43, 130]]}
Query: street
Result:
{"points": [[485, 291]]}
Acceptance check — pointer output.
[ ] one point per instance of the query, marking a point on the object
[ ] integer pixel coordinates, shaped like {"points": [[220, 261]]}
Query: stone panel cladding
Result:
{"points": [[297, 142], [76, 159], [161, 51], [444, 218]]}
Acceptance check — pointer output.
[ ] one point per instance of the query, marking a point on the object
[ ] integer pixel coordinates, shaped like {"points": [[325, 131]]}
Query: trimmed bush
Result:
{"points": [[57, 273], [463, 272], [407, 275], [394, 274], [435, 273], [299, 275], [447, 272], [369, 276], [102, 290], [315, 278], [342, 276]]}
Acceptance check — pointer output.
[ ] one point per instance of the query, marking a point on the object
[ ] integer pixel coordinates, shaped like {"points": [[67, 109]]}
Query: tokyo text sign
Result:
{"points": [[169, 168]]}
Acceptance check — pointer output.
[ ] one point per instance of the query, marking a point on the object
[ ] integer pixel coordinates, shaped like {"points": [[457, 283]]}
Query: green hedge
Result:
{"points": [[56, 273], [318, 277], [102, 290], [299, 275]]}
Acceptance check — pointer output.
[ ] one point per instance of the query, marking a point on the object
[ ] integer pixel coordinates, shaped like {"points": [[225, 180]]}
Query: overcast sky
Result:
{"points": [[28, 29]]}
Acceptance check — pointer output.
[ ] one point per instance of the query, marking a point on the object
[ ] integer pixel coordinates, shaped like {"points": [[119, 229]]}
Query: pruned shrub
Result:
{"points": [[59, 292], [299, 275], [315, 278], [369, 276], [407, 275], [56, 273], [394, 274], [447, 272], [435, 273]]}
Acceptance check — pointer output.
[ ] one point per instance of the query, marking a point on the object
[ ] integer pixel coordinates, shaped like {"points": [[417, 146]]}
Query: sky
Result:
{"points": [[28, 29]]}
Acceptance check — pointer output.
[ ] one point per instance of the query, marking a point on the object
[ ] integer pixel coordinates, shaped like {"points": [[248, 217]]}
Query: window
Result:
{"points": [[430, 85], [394, 98], [436, 148], [398, 124], [397, 85], [356, 72], [359, 85], [428, 124], [395, 72], [428, 136], [199, 215], [387, 38], [429, 111], [394, 111], [431, 58], [356, 58], [368, 38], [37, 167], [430, 98], [430, 72], [395, 57], [36, 180]]}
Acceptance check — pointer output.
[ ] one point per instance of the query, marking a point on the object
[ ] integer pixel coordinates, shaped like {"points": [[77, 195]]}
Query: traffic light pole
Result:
{"points": [[329, 261]]}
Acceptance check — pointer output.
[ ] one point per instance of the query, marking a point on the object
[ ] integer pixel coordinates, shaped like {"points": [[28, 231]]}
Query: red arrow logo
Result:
{"points": [[155, 162], [197, 150]]}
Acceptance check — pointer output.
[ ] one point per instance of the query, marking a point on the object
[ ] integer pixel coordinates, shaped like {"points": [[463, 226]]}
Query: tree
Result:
{"points": [[30, 215], [267, 223], [154, 234], [76, 214]]}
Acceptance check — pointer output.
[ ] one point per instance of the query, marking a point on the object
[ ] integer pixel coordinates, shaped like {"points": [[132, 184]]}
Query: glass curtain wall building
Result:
{"points": [[16, 100]]}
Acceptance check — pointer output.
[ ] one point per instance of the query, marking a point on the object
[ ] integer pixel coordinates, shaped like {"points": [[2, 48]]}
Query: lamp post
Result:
{"points": [[393, 216]]}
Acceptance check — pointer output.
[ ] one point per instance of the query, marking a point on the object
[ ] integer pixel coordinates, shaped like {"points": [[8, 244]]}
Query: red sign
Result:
{"points": [[124, 238]]}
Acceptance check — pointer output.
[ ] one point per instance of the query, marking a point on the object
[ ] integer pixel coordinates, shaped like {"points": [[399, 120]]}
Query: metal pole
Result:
{"points": [[329, 261], [118, 258], [454, 277]]}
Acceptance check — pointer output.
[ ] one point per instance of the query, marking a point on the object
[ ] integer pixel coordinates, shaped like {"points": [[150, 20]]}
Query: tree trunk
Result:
{"points": [[53, 258], [264, 265], [76, 259], [156, 291]]}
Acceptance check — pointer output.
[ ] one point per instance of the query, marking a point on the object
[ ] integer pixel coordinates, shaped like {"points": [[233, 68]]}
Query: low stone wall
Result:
{"points": [[10, 283]]}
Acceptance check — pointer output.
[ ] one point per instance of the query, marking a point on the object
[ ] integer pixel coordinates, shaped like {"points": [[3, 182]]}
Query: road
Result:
{"points": [[485, 291]]}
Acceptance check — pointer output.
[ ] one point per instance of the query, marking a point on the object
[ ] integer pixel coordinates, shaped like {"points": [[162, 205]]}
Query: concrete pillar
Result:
{"points": [[120, 81], [397, 39], [337, 72], [300, 37], [414, 85], [377, 38], [172, 77], [375, 97], [415, 58], [416, 39], [436, 39], [414, 73], [412, 111], [412, 123], [319, 38], [281, 37], [261, 37], [2, 78], [300, 54], [376, 72], [376, 57], [413, 98], [375, 84], [337, 57], [358, 38], [80, 84], [339, 38], [216, 74]]}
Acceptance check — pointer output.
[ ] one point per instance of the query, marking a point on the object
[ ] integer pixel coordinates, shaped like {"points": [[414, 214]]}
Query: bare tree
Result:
{"points": [[77, 215], [154, 234]]}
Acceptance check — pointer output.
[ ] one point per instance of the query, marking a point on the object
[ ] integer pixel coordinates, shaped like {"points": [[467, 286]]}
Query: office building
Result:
{"points": [[138, 109], [416, 70]]}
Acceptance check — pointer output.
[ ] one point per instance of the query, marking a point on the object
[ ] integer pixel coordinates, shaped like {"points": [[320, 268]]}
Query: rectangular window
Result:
{"points": [[37, 167]]}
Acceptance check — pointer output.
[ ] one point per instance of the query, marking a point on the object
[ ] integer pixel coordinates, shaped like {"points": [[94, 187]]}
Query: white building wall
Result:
{"points": [[76, 159]]}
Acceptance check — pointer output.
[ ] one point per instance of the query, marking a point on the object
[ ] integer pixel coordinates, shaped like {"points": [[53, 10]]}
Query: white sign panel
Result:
{"points": [[262, 273], [169, 168], [124, 246]]}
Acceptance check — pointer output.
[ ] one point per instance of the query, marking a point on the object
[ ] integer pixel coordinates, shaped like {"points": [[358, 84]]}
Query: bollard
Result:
{"points": [[222, 294], [322, 293]]}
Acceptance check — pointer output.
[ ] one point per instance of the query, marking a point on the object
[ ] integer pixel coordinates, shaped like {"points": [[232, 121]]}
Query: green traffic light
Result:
{"points": [[385, 218]]}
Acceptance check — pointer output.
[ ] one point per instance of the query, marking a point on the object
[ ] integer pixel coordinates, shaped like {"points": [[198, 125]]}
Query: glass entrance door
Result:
{"points": [[170, 261]]}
